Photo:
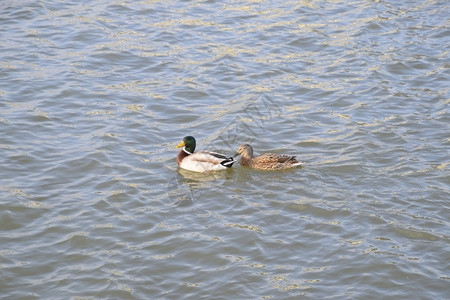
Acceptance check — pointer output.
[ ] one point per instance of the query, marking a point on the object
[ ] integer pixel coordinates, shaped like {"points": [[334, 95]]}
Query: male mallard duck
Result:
{"points": [[201, 161], [268, 161]]}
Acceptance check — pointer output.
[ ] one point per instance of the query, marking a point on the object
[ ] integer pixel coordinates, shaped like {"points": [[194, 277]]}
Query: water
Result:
{"points": [[94, 97]]}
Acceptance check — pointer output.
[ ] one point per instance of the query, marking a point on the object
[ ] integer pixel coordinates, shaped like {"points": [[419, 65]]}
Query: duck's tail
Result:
{"points": [[228, 162], [292, 162], [297, 164]]}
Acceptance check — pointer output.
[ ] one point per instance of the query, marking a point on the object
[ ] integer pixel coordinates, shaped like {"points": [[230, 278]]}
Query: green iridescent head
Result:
{"points": [[188, 143]]}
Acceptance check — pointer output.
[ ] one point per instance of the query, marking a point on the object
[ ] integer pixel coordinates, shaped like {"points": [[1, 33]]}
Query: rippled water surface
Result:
{"points": [[95, 96]]}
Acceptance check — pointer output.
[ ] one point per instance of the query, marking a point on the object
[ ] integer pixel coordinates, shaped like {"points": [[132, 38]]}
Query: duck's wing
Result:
{"points": [[276, 158], [224, 160], [209, 158]]}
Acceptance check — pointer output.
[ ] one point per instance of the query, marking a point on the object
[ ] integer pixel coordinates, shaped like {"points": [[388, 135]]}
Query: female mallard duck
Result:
{"points": [[268, 161], [201, 161]]}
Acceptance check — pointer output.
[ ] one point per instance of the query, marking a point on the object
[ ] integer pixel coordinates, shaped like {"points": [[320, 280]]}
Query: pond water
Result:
{"points": [[96, 95]]}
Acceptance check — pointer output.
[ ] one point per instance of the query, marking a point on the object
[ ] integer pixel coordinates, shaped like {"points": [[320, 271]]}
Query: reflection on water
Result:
{"points": [[95, 96], [186, 188]]}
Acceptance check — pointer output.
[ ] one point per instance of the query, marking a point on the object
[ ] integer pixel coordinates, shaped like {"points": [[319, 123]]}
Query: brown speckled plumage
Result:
{"points": [[268, 161]]}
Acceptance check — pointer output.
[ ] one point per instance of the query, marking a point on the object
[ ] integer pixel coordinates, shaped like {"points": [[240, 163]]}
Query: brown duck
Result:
{"points": [[267, 161]]}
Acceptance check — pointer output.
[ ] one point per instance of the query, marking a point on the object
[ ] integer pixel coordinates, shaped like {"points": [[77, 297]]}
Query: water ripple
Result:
{"points": [[96, 97]]}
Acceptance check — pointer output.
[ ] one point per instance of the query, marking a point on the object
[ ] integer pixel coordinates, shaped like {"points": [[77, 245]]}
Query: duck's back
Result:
{"points": [[268, 158], [270, 161]]}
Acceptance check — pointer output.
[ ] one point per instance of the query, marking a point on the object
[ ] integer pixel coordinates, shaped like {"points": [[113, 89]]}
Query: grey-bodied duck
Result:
{"points": [[201, 161]]}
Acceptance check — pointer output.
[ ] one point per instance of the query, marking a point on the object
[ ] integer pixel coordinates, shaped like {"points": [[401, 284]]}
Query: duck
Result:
{"points": [[201, 161], [267, 161]]}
